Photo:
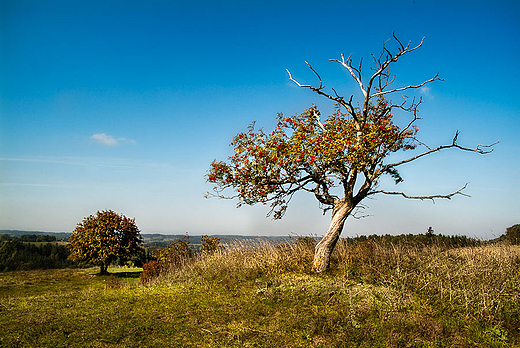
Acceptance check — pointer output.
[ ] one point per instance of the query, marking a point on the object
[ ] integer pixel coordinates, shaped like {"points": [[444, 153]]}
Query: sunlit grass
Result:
{"points": [[262, 294]]}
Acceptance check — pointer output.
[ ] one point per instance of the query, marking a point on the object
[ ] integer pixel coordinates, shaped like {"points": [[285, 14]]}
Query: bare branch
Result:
{"points": [[317, 115], [435, 78], [390, 58], [420, 143], [356, 212], [348, 65], [401, 106], [432, 197], [387, 79], [338, 99], [315, 89], [299, 84], [413, 106], [318, 75], [218, 194], [479, 149], [396, 39]]}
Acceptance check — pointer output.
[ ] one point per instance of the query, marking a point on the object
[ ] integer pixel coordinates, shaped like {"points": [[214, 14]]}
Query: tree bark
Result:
{"points": [[103, 269], [326, 245]]}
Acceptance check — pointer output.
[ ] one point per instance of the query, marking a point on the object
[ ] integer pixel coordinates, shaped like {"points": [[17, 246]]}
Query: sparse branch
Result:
{"points": [[347, 64], [318, 75], [413, 107], [338, 99], [420, 143], [396, 39], [390, 58], [402, 105], [435, 78], [387, 80], [431, 197], [218, 194], [479, 149], [316, 114]]}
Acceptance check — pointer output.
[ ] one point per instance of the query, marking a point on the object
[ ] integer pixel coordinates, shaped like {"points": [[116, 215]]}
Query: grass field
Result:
{"points": [[263, 295]]}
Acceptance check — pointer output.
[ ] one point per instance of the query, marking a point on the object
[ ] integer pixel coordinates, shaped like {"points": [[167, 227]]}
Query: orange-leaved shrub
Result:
{"points": [[151, 270]]}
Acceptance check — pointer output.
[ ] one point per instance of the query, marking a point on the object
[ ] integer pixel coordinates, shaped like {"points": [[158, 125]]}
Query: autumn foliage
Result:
{"points": [[102, 238], [301, 154]]}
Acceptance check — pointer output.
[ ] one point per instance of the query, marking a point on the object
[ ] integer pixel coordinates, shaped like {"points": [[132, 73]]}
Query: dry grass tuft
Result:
{"points": [[246, 259]]}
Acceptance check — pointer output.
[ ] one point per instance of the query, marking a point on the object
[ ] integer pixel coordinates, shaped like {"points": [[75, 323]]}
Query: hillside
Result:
{"points": [[263, 295]]}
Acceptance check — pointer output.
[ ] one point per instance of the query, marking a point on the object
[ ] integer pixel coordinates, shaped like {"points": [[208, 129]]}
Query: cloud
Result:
{"points": [[426, 91], [109, 140], [104, 139]]}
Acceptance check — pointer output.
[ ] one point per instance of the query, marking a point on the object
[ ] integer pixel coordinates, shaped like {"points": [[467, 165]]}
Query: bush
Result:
{"points": [[210, 245], [513, 234], [151, 270], [176, 254]]}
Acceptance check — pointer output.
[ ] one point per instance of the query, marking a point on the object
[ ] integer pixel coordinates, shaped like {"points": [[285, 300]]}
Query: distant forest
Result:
{"points": [[150, 239], [32, 252]]}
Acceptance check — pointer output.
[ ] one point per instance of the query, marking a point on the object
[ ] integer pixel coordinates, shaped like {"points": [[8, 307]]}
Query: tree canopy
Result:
{"points": [[102, 238], [304, 154], [340, 158]]}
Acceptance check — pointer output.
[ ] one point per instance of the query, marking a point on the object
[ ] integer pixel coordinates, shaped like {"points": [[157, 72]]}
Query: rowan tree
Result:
{"points": [[339, 159], [102, 238]]}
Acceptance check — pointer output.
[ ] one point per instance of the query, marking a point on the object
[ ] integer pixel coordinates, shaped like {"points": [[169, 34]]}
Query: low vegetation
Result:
{"points": [[379, 292]]}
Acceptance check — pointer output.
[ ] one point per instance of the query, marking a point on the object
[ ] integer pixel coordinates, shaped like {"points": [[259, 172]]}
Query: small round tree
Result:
{"points": [[340, 159], [102, 238]]}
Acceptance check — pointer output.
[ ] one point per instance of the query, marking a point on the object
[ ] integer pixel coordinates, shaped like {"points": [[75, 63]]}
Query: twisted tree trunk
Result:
{"points": [[326, 245]]}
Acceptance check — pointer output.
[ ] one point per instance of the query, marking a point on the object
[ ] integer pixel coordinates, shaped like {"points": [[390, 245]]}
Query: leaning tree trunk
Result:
{"points": [[326, 245]]}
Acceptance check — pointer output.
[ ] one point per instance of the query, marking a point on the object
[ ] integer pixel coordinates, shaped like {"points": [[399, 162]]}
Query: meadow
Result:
{"points": [[262, 294]]}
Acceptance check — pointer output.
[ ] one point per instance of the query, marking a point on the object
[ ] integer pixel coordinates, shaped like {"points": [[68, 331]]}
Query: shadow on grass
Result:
{"points": [[133, 273]]}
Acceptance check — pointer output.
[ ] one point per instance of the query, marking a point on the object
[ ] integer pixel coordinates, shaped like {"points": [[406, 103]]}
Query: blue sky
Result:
{"points": [[122, 105]]}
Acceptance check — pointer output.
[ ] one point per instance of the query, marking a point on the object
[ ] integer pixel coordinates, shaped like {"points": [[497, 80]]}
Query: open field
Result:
{"points": [[263, 295]]}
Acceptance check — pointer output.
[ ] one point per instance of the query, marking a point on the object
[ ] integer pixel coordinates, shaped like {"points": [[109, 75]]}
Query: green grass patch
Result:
{"points": [[264, 296]]}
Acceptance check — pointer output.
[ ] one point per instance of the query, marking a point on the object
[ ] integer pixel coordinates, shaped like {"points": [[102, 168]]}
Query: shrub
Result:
{"points": [[176, 254], [513, 234], [151, 270], [210, 245]]}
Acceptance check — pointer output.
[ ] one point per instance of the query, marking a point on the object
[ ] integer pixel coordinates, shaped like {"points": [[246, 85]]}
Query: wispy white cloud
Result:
{"points": [[426, 91], [130, 141], [109, 140], [104, 139]]}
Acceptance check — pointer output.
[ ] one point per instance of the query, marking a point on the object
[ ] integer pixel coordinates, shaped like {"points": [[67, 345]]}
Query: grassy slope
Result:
{"points": [[264, 296]]}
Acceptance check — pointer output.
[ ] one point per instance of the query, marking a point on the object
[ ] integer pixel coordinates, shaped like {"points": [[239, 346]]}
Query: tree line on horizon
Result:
{"points": [[32, 251]]}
